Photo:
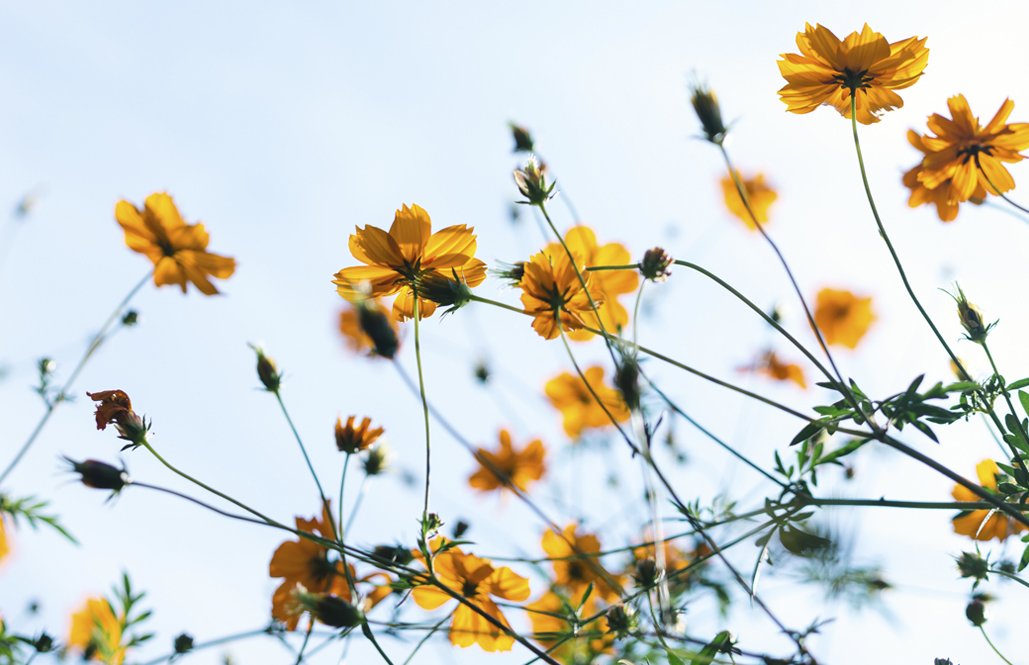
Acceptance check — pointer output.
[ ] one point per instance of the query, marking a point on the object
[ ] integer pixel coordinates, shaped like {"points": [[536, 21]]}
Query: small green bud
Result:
{"points": [[532, 182], [705, 104], [267, 370]]}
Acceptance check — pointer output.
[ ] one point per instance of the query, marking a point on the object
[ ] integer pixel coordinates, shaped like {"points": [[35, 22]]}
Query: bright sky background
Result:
{"points": [[283, 125]]}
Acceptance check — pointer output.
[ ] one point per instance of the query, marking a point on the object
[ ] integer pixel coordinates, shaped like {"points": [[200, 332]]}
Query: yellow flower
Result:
{"points": [[946, 208], [178, 250], [552, 293], [966, 158], [827, 71], [975, 524], [608, 283], [396, 261], [307, 563], [842, 316], [354, 335], [570, 395], [760, 195], [548, 629], [769, 364], [505, 466], [5, 544], [350, 439], [576, 564], [97, 632], [476, 580]]}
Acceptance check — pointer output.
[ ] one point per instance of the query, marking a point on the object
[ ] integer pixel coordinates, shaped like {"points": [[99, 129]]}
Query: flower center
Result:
{"points": [[469, 589], [854, 80], [972, 151]]}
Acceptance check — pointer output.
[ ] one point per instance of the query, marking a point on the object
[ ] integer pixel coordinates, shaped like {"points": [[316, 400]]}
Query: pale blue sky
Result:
{"points": [[283, 125]]}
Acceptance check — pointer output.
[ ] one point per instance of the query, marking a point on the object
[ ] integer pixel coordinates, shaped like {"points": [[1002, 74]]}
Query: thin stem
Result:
{"points": [[357, 504], [62, 395], [367, 630], [425, 409], [342, 486], [307, 460], [432, 631], [204, 504], [1007, 398], [993, 187], [993, 646], [211, 643], [303, 645]]}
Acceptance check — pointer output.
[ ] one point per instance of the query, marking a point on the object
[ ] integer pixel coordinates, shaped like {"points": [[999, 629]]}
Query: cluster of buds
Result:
{"points": [[352, 439], [267, 371], [115, 408], [532, 182], [705, 104], [655, 265]]}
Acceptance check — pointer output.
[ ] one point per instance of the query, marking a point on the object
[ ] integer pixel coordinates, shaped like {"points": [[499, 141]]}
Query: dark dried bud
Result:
{"points": [[130, 318], [43, 644], [183, 643], [621, 620], [267, 370], [705, 104], [647, 573], [460, 529], [100, 475], [376, 323], [655, 264], [115, 408], [522, 138], [976, 612]]}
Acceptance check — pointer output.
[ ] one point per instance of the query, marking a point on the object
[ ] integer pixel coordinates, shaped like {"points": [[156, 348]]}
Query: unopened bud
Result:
{"points": [[100, 475], [971, 564], [532, 182], [647, 573], [393, 554], [976, 612], [267, 370], [183, 643], [380, 328], [627, 380], [621, 619], [655, 264], [705, 104], [377, 461], [971, 318], [522, 138], [442, 290], [328, 608]]}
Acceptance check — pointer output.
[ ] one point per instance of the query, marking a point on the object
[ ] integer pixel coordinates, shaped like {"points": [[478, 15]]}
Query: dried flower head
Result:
{"points": [[115, 408], [655, 264], [351, 439]]}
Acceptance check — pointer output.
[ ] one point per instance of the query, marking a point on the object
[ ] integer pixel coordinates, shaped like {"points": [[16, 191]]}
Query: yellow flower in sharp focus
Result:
{"points": [[975, 523], [608, 283], [307, 563], [553, 294], [576, 564], [178, 250], [397, 260], [571, 396], [842, 316], [827, 70], [506, 466], [479, 582], [759, 193], [966, 159], [96, 631]]}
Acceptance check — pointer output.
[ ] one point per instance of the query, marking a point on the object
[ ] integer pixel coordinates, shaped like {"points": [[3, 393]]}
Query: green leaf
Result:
{"points": [[1021, 383], [1023, 397], [807, 432]]}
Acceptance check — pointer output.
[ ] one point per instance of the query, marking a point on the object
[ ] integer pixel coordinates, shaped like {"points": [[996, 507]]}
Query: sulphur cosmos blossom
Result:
{"points": [[983, 524], [506, 465], [827, 71], [395, 261], [5, 545], [770, 365], [96, 631], [760, 195], [966, 159], [576, 562], [351, 438], [610, 284], [579, 410], [307, 563], [178, 250], [842, 316], [552, 292], [354, 335], [940, 195], [478, 582], [552, 620]]}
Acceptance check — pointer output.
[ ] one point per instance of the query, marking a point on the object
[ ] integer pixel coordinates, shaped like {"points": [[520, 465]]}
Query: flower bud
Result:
{"points": [[130, 318], [647, 573], [512, 272], [183, 643], [267, 371], [393, 554], [522, 138], [100, 475], [655, 264], [705, 104], [976, 612], [44, 643], [442, 290], [377, 461], [380, 328], [532, 182], [627, 380], [328, 608], [621, 619], [971, 319], [971, 564], [350, 439]]}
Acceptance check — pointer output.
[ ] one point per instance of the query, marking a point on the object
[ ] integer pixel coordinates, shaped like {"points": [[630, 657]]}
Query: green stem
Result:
{"points": [[425, 409], [342, 485], [367, 630], [62, 395], [996, 191], [432, 631], [1007, 398], [307, 459], [993, 646]]}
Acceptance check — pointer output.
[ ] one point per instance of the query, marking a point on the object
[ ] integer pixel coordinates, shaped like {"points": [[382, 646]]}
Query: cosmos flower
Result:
{"points": [[579, 410], [827, 71], [983, 524], [552, 293], [577, 564], [842, 316], [760, 195], [506, 465], [96, 631]]}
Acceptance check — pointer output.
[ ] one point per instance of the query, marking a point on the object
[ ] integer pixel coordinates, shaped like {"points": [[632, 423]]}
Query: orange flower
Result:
{"points": [[476, 580], [548, 628], [396, 261], [307, 563], [178, 250], [983, 524], [5, 544], [965, 159], [506, 466], [553, 294], [96, 631], [576, 564], [759, 194], [115, 408], [843, 317], [354, 335], [946, 208], [608, 283], [571, 396], [769, 364], [350, 439], [828, 71]]}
